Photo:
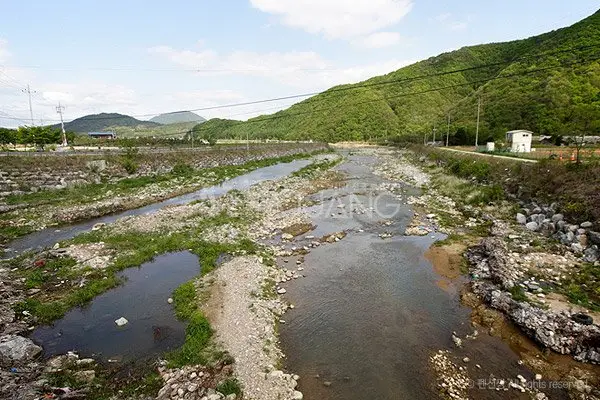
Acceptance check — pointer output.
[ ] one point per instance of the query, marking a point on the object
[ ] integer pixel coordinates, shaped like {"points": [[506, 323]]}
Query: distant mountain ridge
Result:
{"points": [[177, 117], [104, 121]]}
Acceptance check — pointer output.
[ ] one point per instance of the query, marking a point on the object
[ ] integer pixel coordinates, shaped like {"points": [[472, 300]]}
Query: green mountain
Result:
{"points": [[177, 117], [104, 121], [541, 83]]}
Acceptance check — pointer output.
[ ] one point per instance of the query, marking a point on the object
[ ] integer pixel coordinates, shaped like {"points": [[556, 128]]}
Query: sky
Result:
{"points": [[146, 57]]}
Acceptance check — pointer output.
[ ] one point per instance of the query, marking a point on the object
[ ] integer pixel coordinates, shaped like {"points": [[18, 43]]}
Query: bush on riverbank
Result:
{"points": [[576, 188]]}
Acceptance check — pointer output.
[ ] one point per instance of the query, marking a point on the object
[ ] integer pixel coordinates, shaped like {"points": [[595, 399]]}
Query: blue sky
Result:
{"points": [[145, 57]]}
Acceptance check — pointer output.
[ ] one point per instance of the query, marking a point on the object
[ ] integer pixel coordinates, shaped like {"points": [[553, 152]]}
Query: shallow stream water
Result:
{"points": [[369, 312]]}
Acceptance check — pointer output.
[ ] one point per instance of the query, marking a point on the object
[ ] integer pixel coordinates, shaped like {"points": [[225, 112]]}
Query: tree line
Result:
{"points": [[39, 136]]}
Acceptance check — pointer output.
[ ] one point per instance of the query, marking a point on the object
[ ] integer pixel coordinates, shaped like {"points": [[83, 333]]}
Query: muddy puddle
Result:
{"points": [[49, 236], [142, 299], [370, 311]]}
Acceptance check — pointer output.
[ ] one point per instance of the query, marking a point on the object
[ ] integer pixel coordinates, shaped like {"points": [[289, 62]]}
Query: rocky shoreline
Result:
{"points": [[514, 257]]}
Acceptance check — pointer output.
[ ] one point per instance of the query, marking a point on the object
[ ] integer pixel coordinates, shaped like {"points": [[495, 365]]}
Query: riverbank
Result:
{"points": [[22, 213], [527, 276]]}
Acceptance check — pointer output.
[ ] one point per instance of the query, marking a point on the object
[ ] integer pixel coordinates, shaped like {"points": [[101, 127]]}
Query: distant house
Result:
{"points": [[519, 141], [102, 135]]}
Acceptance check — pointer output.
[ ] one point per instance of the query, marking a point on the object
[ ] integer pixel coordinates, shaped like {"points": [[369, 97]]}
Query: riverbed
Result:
{"points": [[370, 312]]}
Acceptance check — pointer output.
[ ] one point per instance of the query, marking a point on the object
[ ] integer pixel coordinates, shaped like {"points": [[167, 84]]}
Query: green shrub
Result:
{"points": [[181, 169], [229, 386], [517, 293], [129, 165]]}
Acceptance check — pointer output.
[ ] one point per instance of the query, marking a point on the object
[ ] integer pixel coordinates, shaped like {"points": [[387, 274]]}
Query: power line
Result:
{"points": [[469, 83], [408, 94], [369, 84]]}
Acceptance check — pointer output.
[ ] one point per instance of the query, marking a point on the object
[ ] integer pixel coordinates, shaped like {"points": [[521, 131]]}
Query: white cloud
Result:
{"points": [[305, 70], [378, 40], [448, 21], [336, 18]]}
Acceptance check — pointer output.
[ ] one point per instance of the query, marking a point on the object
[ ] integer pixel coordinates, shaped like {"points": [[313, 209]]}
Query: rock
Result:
{"points": [[557, 218], [457, 341], [86, 376], [56, 246], [532, 226], [538, 377], [297, 395], [590, 255], [98, 226], [281, 291], [214, 396], [287, 236], [192, 387], [170, 300], [521, 219], [121, 321], [17, 348], [594, 237], [573, 228], [586, 225], [577, 248], [327, 384], [466, 359]]}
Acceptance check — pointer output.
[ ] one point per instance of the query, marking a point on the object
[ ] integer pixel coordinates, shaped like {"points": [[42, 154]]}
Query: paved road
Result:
{"points": [[527, 160]]}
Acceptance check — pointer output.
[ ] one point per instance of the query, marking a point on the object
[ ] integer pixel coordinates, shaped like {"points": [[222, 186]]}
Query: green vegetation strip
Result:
{"points": [[573, 186]]}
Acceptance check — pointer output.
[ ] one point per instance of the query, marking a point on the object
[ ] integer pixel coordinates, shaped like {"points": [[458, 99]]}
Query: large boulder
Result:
{"points": [[532, 226], [521, 219], [14, 348]]}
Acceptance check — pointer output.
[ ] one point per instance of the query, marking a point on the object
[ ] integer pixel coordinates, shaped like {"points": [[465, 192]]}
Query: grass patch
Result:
{"points": [[451, 238], [517, 293], [583, 287], [197, 337], [230, 386], [184, 300]]}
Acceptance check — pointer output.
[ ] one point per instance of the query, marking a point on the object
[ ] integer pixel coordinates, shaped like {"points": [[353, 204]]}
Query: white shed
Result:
{"points": [[519, 141]]}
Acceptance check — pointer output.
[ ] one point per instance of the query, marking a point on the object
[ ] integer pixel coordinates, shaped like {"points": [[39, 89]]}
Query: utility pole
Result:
{"points": [[59, 110], [28, 91], [448, 131], [477, 129]]}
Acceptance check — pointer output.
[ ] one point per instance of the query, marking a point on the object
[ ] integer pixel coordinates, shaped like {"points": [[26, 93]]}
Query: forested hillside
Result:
{"points": [[548, 83]]}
